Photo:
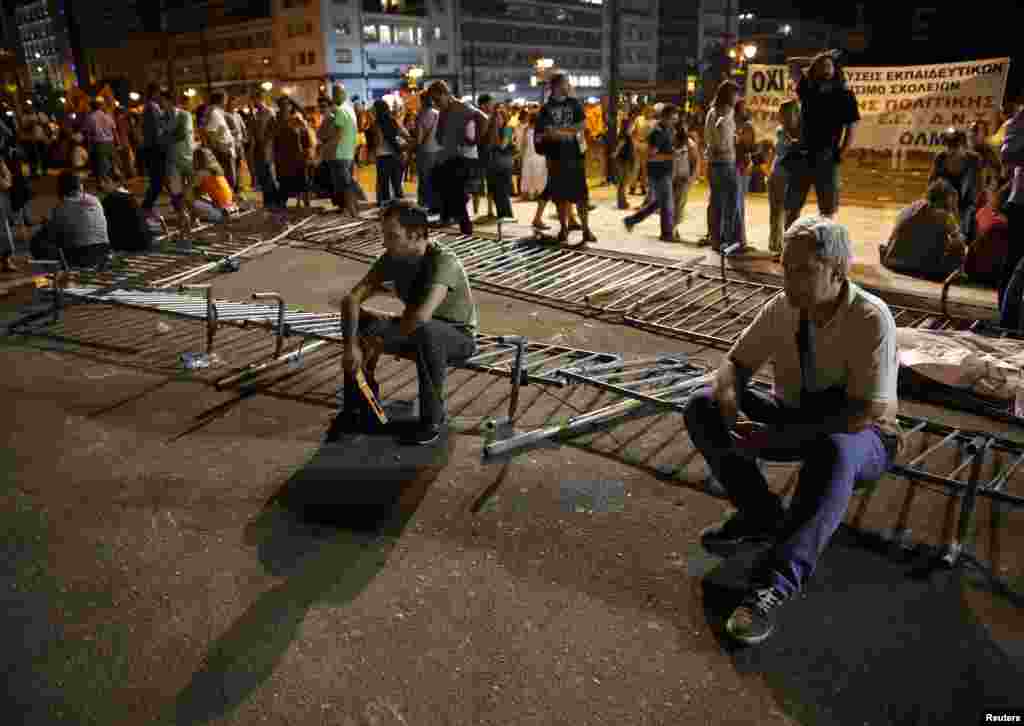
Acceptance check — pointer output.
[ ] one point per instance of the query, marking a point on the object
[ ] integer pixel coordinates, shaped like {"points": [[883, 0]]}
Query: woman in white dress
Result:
{"points": [[535, 169]]}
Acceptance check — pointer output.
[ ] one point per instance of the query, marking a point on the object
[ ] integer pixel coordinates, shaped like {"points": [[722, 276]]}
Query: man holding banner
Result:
{"points": [[829, 115]]}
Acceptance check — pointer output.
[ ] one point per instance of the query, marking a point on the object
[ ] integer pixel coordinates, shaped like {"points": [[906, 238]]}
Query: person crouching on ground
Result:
{"points": [[438, 326], [77, 226], [833, 406], [927, 240], [214, 199]]}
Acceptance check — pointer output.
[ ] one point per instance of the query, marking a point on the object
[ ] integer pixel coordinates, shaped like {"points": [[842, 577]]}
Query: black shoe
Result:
{"points": [[575, 227], [738, 531], [629, 225], [755, 618], [563, 236], [422, 435], [588, 237], [342, 425]]}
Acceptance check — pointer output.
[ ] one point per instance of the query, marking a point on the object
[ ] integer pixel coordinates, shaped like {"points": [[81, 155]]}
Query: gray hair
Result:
{"points": [[831, 240]]}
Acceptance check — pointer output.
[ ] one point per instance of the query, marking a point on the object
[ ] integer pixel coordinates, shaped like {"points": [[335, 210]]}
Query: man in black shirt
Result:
{"points": [[829, 115], [659, 174], [560, 125], [126, 224]]}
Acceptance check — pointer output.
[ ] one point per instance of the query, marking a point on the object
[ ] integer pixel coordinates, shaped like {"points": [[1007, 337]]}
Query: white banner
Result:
{"points": [[904, 107]]}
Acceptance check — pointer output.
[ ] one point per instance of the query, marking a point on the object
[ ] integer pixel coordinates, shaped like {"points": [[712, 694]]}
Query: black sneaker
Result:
{"points": [[629, 225], [754, 619], [735, 532], [423, 435]]}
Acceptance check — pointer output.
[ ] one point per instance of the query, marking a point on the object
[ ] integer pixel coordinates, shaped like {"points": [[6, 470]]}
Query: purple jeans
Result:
{"points": [[832, 464]]}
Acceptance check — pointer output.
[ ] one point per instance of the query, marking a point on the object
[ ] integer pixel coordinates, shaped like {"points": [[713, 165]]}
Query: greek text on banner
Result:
{"points": [[902, 107]]}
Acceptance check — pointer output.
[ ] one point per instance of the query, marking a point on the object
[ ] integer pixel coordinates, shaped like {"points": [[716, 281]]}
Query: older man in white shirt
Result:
{"points": [[833, 407]]}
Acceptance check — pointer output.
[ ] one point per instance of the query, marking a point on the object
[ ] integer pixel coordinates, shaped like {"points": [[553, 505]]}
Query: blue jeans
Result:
{"points": [[389, 178], [743, 186], [724, 203], [660, 198], [425, 163], [832, 464]]}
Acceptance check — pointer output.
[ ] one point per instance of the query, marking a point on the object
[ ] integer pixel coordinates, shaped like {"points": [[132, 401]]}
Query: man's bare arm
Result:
{"points": [[350, 304]]}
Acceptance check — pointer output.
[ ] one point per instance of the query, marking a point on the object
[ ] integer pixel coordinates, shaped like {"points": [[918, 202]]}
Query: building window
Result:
{"points": [[370, 33], [343, 55], [419, 36], [385, 34], [438, 33], [403, 35], [343, 28], [311, 58], [442, 60]]}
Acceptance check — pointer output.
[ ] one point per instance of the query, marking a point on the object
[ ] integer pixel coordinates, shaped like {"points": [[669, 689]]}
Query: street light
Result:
{"points": [[190, 92], [266, 86], [750, 51], [62, 99], [134, 96], [511, 88]]}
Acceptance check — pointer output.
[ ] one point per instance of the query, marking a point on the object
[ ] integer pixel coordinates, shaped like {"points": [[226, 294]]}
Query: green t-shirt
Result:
{"points": [[345, 120], [439, 266]]}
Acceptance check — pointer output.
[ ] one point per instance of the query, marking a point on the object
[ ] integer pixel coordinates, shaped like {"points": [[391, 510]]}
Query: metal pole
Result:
{"points": [[613, 89], [280, 317]]}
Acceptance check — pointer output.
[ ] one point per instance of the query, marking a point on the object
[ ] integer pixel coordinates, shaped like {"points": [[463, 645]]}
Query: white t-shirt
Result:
{"points": [[217, 127], [856, 349]]}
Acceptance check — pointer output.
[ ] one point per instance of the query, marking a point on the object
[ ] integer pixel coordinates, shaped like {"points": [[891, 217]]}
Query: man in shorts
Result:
{"points": [[346, 189]]}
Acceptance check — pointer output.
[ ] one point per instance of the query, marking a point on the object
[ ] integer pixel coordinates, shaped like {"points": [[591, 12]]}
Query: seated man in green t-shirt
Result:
{"points": [[438, 326]]}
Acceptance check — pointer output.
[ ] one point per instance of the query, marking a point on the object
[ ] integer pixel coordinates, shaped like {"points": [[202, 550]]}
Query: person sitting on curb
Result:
{"points": [[438, 326], [126, 224], [834, 407], [927, 240], [77, 226]]}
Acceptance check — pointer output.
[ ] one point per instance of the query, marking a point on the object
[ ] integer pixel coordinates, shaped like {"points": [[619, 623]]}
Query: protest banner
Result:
{"points": [[901, 108]]}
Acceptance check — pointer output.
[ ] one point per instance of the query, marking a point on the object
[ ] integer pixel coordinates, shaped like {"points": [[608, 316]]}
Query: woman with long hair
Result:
{"points": [[387, 134], [720, 136]]}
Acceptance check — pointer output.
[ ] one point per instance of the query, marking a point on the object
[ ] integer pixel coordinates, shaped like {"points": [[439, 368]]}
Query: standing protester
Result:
{"points": [[100, 132], [438, 326], [834, 407], [327, 137], [487, 139], [991, 168], [626, 158], [427, 149], [219, 136], [6, 220], [293, 148], [661, 155], [829, 117], [35, 139], [263, 121], [389, 153], [720, 136], [238, 132], [961, 168], [179, 140], [499, 161], [787, 136], [685, 160], [641, 132], [452, 169], [153, 152], [534, 176], [343, 170], [561, 123], [126, 137], [746, 145]]}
